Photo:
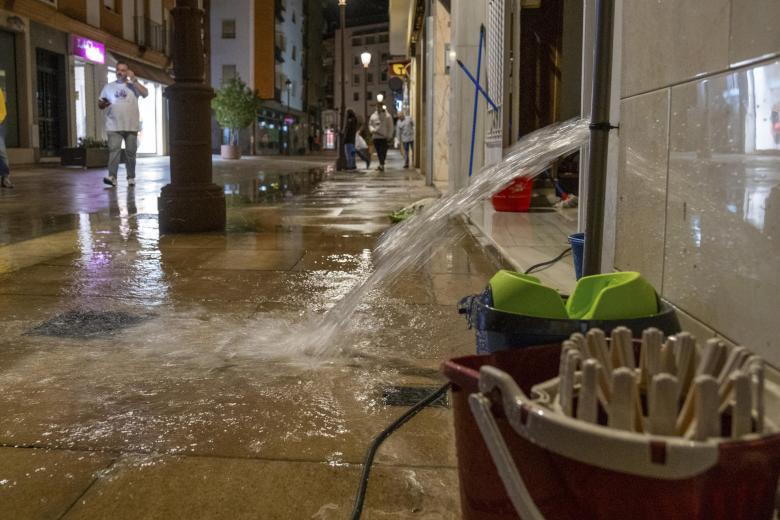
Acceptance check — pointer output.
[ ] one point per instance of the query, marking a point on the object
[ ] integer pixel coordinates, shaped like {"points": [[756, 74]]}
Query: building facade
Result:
{"points": [[55, 57], [361, 85], [693, 165], [263, 42]]}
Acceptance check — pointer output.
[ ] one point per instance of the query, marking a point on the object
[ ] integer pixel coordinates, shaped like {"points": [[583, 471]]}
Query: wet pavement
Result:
{"points": [[152, 377]]}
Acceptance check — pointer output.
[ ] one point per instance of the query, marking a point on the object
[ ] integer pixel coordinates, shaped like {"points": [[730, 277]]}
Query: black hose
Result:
{"points": [[369, 460], [535, 267]]}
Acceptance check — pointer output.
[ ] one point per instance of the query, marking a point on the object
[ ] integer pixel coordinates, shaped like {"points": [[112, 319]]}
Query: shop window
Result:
{"points": [[228, 29], [228, 73], [355, 96]]}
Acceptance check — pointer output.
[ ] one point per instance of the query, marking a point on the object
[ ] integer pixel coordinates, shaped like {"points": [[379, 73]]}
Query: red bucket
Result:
{"points": [[515, 197], [740, 485]]}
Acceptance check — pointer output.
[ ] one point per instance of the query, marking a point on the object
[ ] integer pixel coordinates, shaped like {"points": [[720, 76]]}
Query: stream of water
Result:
{"points": [[416, 239]]}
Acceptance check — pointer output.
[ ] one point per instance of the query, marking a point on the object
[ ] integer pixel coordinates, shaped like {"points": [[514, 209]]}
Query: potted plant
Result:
{"points": [[235, 107], [90, 153]]}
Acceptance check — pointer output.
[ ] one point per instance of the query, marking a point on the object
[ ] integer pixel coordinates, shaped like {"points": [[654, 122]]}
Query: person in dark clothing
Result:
{"points": [[350, 129]]}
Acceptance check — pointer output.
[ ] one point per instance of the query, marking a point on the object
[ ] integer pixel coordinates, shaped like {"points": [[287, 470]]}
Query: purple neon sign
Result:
{"points": [[88, 49]]}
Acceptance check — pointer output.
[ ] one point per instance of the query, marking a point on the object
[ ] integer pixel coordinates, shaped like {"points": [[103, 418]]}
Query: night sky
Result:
{"points": [[359, 12]]}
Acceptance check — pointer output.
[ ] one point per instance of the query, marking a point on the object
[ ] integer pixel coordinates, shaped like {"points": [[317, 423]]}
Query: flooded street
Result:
{"points": [[162, 377]]}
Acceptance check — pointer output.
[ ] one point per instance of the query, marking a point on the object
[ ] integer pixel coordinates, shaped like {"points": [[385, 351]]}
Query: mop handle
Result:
{"points": [[476, 99]]}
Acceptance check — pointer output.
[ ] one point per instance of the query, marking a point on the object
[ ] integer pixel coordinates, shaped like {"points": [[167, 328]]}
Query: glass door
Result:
{"points": [[52, 110]]}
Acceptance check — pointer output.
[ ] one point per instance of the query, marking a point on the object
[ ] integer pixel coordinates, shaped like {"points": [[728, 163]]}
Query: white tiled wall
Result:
{"points": [[699, 175]]}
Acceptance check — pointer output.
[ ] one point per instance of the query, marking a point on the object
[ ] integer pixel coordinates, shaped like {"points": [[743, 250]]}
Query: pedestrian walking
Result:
{"points": [[120, 98], [361, 148], [349, 131], [404, 132], [5, 169], [381, 126]]}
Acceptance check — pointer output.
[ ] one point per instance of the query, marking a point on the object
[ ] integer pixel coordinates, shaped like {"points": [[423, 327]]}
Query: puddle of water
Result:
{"points": [[417, 239]]}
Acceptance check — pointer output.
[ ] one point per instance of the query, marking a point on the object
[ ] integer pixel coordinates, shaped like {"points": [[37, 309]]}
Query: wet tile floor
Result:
{"points": [[153, 377]]}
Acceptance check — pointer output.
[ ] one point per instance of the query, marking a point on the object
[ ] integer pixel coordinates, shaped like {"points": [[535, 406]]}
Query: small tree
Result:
{"points": [[235, 107]]}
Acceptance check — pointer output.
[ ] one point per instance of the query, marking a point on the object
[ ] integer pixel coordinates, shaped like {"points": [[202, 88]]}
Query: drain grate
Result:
{"points": [[411, 395], [83, 324]]}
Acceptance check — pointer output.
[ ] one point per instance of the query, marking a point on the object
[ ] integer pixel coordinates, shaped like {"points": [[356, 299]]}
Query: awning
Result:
{"points": [[143, 70], [400, 26]]}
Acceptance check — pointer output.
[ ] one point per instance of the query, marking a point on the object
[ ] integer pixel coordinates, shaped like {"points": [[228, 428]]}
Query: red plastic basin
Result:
{"points": [[515, 197]]}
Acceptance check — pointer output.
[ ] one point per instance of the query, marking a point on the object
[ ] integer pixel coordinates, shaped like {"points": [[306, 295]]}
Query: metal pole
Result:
{"points": [[289, 126], [365, 97], [341, 163], [599, 136], [430, 27]]}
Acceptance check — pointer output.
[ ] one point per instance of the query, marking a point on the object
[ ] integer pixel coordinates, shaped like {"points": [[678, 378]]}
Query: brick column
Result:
{"points": [[191, 202]]}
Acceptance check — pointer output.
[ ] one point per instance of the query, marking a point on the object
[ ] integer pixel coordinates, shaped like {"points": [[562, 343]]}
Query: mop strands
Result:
{"points": [[672, 390], [410, 210]]}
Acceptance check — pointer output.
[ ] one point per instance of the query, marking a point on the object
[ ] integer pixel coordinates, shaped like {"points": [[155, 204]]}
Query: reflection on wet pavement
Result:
{"points": [[199, 394]]}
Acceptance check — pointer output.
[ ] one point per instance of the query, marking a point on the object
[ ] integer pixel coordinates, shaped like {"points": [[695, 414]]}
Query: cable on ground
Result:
{"points": [[369, 460], [537, 267]]}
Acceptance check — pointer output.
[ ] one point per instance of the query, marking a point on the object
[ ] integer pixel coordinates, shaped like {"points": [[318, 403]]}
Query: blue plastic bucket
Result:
{"points": [[498, 330], [577, 241]]}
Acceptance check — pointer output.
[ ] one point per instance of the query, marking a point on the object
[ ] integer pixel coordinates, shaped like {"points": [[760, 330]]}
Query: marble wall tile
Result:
{"points": [[754, 29], [641, 201], [441, 97], [723, 207], [669, 41]]}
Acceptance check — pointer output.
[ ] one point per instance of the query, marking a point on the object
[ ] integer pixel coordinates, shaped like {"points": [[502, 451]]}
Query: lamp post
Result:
{"points": [[191, 202], [288, 86], [341, 163], [365, 57]]}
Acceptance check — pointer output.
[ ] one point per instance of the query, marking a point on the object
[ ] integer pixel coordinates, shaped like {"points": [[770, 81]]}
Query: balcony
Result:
{"points": [[278, 54], [149, 34]]}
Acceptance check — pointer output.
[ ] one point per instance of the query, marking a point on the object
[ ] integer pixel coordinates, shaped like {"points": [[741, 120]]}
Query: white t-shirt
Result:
{"points": [[122, 115]]}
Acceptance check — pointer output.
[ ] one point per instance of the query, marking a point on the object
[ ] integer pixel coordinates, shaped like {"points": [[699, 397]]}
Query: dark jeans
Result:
{"points": [[4, 168], [380, 143], [408, 148], [349, 152]]}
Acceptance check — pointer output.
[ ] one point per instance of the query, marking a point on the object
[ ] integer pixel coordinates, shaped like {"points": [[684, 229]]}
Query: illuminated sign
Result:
{"points": [[88, 49], [399, 68]]}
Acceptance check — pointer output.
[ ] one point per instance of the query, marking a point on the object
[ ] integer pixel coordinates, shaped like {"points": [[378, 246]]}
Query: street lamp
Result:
{"points": [[380, 97], [288, 85], [365, 57], [341, 163]]}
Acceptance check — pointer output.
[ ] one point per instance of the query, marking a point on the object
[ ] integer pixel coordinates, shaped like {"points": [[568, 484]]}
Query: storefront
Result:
{"points": [[52, 78], [89, 59]]}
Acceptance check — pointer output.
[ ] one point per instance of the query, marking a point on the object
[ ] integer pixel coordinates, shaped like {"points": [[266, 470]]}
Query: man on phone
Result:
{"points": [[120, 102]]}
